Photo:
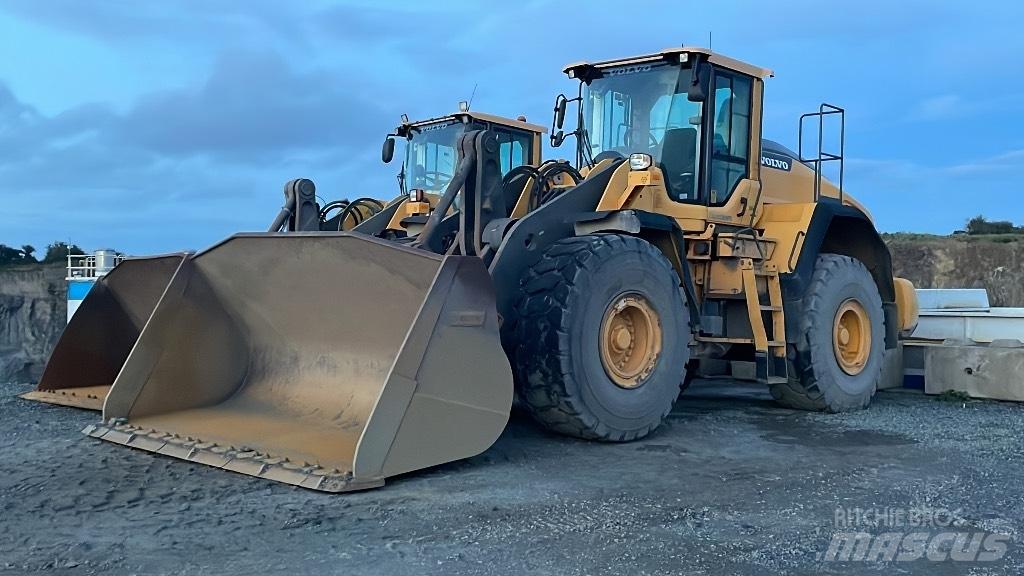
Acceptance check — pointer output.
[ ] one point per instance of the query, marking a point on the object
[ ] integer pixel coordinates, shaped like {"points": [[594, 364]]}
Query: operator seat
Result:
{"points": [[679, 162]]}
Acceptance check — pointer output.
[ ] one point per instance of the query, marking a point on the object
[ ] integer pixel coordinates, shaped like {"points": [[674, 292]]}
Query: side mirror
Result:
{"points": [[698, 90], [557, 138], [560, 103], [388, 151]]}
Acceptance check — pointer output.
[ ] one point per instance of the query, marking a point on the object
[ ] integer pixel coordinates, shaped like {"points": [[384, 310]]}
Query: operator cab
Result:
{"points": [[431, 153], [685, 110]]}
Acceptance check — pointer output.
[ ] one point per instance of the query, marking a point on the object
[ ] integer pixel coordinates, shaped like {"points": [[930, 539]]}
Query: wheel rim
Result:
{"points": [[630, 340], [851, 337]]}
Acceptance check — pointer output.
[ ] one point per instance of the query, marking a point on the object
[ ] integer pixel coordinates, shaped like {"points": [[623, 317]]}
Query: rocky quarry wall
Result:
{"points": [[33, 311]]}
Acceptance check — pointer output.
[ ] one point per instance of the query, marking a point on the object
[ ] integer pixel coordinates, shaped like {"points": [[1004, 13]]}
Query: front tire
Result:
{"points": [[602, 338], [839, 353]]}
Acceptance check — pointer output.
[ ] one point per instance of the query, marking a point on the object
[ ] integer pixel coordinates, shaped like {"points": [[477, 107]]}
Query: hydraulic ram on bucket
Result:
{"points": [[326, 360]]}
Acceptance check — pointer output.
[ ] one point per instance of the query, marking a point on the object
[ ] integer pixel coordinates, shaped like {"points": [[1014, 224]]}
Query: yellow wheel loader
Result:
{"points": [[684, 245], [431, 157], [94, 346]]}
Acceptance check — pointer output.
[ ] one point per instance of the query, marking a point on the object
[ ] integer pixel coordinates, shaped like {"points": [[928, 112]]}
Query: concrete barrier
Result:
{"points": [[981, 371], [963, 344]]}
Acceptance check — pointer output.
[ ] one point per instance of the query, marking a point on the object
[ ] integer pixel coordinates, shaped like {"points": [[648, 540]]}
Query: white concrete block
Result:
{"points": [[980, 371]]}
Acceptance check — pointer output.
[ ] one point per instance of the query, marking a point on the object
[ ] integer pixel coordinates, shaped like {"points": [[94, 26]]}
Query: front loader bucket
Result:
{"points": [[326, 360], [103, 331]]}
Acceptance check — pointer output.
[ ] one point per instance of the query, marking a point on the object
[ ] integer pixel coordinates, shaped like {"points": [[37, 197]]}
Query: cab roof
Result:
{"points": [[493, 118], [675, 54]]}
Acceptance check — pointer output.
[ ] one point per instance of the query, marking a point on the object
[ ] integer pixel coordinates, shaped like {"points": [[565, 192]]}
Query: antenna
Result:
{"points": [[470, 104], [709, 39]]}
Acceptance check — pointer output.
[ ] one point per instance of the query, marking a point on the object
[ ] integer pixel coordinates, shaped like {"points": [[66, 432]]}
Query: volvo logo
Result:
{"points": [[776, 161], [432, 127], [628, 70]]}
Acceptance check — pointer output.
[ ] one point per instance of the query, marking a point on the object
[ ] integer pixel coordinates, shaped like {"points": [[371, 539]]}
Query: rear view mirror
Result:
{"points": [[557, 138], [388, 152], [560, 103], [698, 91]]}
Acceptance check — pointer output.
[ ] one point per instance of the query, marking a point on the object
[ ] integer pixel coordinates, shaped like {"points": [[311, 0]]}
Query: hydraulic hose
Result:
{"points": [[333, 205], [546, 193], [286, 212], [353, 209]]}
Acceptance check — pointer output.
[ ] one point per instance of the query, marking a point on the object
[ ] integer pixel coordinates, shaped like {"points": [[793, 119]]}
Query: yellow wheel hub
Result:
{"points": [[851, 337], [630, 340]]}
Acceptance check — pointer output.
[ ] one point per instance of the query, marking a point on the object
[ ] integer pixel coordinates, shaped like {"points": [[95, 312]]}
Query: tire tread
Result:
{"points": [[803, 391], [542, 349]]}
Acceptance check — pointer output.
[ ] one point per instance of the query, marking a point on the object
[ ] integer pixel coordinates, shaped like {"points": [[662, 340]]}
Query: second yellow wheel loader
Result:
{"points": [[99, 337], [431, 157], [686, 245]]}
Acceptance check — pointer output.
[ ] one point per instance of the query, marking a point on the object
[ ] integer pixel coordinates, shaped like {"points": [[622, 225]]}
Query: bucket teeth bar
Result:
{"points": [[87, 397], [241, 459]]}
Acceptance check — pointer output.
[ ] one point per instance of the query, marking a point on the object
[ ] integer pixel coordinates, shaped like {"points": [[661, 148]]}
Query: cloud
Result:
{"points": [[941, 107], [1009, 161], [14, 115], [903, 170], [197, 112], [253, 108], [126, 22], [220, 151]]}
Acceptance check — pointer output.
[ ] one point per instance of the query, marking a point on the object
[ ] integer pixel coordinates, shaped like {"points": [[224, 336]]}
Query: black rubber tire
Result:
{"points": [[563, 300], [816, 380]]}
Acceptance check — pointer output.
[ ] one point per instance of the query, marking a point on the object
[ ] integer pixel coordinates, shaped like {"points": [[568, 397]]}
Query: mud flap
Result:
{"points": [[325, 360], [96, 343]]}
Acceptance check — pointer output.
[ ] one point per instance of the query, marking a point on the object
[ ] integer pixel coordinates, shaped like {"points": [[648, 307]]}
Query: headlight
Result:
{"points": [[416, 195], [640, 161]]}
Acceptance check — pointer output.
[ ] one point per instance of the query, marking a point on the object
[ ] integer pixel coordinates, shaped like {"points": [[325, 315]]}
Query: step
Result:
{"points": [[725, 340], [722, 339]]}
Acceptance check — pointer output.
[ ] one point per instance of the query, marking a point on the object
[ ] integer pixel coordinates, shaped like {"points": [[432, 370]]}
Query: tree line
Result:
{"points": [[980, 225], [57, 252]]}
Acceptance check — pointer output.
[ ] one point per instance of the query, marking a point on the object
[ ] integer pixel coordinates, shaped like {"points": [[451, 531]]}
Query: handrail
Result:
{"points": [[824, 109], [85, 266]]}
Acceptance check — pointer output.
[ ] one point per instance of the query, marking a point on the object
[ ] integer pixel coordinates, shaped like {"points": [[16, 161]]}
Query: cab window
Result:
{"points": [[514, 149], [612, 115], [675, 139], [731, 138]]}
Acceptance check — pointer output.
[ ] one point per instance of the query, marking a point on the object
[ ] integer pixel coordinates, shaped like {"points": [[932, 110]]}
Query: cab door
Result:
{"points": [[732, 174]]}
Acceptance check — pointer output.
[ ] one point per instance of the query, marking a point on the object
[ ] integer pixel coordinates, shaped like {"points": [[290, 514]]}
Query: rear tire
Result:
{"points": [[837, 365], [588, 299]]}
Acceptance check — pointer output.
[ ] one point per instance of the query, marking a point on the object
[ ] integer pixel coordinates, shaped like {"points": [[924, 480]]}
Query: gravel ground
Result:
{"points": [[732, 484]]}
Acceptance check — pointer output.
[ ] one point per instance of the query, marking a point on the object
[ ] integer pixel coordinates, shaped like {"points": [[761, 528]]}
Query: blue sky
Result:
{"points": [[161, 126]]}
